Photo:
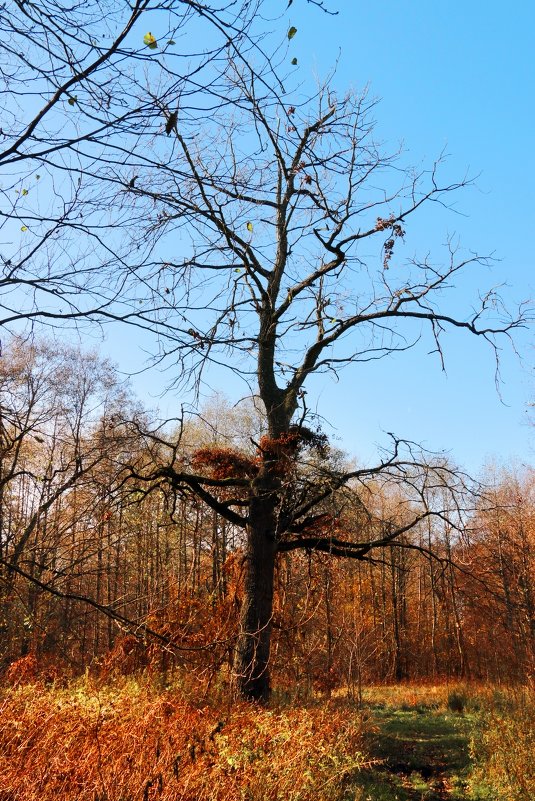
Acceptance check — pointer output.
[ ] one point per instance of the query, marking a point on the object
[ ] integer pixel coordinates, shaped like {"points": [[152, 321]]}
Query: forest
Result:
{"points": [[224, 601], [102, 569]]}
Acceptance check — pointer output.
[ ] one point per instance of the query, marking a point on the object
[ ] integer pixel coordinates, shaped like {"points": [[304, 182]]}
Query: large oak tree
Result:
{"points": [[288, 267], [180, 185]]}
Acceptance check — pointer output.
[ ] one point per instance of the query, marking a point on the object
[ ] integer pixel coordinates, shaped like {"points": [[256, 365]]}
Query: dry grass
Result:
{"points": [[412, 696], [504, 743], [84, 743], [129, 741]]}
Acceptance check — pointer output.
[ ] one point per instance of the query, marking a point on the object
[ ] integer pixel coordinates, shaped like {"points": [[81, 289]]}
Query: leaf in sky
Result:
{"points": [[292, 32], [294, 62], [72, 100], [250, 227], [23, 227], [150, 41], [24, 192]]}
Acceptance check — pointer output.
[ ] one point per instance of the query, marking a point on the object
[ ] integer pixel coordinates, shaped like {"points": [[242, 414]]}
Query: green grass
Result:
{"points": [[421, 749]]}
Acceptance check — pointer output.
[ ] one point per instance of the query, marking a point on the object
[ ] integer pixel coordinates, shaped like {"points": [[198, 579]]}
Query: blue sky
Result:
{"points": [[460, 78]]}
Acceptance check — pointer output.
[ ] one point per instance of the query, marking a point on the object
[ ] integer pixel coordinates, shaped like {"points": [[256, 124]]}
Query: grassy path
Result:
{"points": [[423, 755]]}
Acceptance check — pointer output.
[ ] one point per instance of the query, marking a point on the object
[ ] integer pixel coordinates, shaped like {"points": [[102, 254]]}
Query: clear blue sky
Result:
{"points": [[459, 77]]}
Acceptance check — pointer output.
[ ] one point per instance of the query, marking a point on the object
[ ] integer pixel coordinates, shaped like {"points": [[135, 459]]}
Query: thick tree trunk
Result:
{"points": [[251, 659]]}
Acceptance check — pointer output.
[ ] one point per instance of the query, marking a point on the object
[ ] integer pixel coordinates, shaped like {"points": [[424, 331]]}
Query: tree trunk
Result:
{"points": [[251, 659]]}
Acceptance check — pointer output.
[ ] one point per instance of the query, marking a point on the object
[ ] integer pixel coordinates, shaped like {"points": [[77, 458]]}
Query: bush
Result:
{"points": [[457, 701]]}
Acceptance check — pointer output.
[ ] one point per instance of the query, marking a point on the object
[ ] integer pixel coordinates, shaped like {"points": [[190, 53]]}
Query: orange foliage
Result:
{"points": [[284, 445], [127, 657], [137, 744], [224, 462], [28, 669]]}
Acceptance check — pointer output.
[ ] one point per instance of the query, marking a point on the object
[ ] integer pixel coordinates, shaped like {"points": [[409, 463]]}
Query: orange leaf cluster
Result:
{"points": [[224, 463], [285, 445]]}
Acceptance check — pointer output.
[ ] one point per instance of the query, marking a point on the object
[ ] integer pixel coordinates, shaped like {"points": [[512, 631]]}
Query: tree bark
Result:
{"points": [[251, 659]]}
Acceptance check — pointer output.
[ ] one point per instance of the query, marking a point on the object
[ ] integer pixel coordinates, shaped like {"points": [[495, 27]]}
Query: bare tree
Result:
{"points": [[190, 194], [293, 263]]}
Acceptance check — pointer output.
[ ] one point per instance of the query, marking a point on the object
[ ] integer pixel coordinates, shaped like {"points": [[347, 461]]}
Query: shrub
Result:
{"points": [[457, 701]]}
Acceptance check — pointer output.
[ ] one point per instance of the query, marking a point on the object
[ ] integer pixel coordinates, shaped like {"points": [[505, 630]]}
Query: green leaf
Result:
{"points": [[24, 192], [250, 227], [150, 41], [72, 100], [292, 31], [294, 62], [23, 227]]}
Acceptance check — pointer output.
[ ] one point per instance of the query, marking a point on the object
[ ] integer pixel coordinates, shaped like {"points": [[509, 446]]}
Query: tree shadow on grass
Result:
{"points": [[421, 754]]}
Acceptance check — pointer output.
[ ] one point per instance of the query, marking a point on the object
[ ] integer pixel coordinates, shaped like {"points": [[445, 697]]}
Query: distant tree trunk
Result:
{"points": [[251, 659], [397, 620]]}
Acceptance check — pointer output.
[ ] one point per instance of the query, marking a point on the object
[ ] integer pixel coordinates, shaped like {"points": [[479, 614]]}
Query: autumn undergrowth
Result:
{"points": [[139, 739], [503, 743], [129, 741]]}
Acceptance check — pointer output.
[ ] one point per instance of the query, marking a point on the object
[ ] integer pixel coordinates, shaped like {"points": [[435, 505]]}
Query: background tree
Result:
{"points": [[52, 402]]}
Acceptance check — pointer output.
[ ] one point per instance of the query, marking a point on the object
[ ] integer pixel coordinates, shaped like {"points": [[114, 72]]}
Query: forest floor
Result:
{"points": [[422, 753]]}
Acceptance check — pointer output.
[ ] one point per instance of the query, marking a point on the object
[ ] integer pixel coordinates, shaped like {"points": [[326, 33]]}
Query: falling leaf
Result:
{"points": [[150, 41], [72, 100], [292, 32], [294, 62], [23, 227], [250, 227]]}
